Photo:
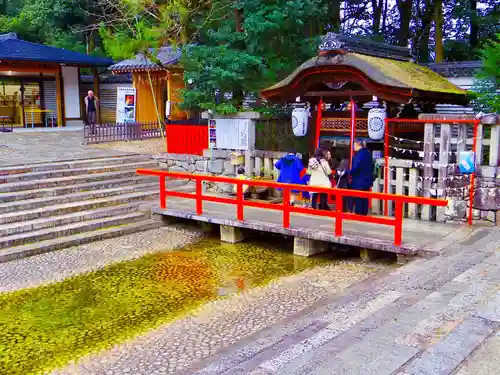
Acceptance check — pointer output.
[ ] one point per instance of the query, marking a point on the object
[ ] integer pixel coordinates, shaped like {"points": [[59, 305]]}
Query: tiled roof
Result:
{"points": [[456, 68], [14, 49], [107, 78], [165, 55]]}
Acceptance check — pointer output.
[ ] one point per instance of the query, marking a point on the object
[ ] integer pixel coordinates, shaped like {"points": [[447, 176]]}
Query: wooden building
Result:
{"points": [[40, 85], [370, 74], [167, 78]]}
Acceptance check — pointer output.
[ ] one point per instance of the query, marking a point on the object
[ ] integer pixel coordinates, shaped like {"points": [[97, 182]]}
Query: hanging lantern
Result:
{"points": [[300, 120], [376, 123]]}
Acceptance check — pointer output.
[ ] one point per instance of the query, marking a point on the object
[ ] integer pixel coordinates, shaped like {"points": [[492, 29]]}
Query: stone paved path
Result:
{"points": [[431, 317], [37, 147]]}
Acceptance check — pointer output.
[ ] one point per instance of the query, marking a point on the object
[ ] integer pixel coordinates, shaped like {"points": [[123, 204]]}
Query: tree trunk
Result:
{"points": [[377, 13], [404, 8], [384, 17], [334, 11], [474, 29], [439, 30], [423, 34]]}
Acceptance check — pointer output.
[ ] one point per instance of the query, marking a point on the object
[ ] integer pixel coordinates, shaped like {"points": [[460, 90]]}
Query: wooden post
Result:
{"points": [[400, 180], [249, 165], [413, 182], [494, 145], [97, 93], [444, 157], [376, 207], [60, 97], [428, 169], [479, 145], [462, 138]]}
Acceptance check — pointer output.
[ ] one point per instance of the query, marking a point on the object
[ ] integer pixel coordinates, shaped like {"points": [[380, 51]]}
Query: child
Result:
{"points": [[241, 176], [304, 179]]}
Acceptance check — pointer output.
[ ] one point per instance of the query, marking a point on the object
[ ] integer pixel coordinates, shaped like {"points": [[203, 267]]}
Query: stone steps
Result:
{"points": [[73, 217], [72, 164], [24, 251], [60, 209], [17, 177], [70, 229], [29, 204], [63, 181], [70, 189], [49, 206]]}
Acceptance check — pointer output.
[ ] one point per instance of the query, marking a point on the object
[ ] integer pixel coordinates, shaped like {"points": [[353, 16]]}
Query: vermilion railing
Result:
{"points": [[285, 207]]}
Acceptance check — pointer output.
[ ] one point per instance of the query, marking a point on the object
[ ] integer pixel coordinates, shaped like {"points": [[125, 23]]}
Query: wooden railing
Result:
{"points": [[338, 214]]}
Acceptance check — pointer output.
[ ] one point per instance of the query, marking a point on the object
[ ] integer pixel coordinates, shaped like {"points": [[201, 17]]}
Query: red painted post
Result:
{"points": [[398, 225], [163, 195], [386, 165], [199, 197], [239, 198], [286, 207], [339, 199], [353, 130]]}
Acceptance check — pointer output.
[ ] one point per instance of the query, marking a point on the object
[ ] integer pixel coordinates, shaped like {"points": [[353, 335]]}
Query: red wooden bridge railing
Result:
{"points": [[285, 207]]}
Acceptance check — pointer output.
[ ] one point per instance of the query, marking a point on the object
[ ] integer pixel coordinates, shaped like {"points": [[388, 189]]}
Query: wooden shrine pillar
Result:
{"points": [[60, 97], [97, 93]]}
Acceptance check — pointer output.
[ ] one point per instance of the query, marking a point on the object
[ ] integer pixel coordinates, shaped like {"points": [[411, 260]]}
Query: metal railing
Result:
{"points": [[338, 214]]}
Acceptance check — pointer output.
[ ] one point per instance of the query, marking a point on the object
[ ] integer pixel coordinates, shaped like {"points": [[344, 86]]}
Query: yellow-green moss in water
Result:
{"points": [[46, 327]]}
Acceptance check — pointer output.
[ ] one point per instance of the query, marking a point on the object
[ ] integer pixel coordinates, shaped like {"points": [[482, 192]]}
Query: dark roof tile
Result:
{"points": [[15, 49]]}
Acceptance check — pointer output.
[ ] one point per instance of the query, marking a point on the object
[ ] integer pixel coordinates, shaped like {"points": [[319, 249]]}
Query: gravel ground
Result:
{"points": [[149, 146], [174, 347], [58, 265]]}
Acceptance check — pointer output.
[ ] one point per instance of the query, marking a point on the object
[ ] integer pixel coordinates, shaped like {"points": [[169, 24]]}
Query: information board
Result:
{"points": [[232, 134], [125, 104]]}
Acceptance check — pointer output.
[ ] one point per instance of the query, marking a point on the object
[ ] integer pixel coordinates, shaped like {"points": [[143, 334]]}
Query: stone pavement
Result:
{"points": [[418, 235], [437, 316], [21, 147]]}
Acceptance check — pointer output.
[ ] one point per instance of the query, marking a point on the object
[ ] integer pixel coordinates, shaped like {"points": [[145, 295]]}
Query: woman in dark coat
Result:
{"points": [[361, 174]]}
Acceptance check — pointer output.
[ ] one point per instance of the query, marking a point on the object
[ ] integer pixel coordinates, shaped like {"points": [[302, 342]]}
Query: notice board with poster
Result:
{"points": [[232, 134], [125, 104]]}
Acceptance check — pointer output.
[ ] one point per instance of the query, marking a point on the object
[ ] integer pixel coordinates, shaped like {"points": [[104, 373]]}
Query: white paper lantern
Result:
{"points": [[300, 120], [376, 123]]}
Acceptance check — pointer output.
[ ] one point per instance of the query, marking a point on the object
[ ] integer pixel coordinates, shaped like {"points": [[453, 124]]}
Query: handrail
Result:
{"points": [[285, 207]]}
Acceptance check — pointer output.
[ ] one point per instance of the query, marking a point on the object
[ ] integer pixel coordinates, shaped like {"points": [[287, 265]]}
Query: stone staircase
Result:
{"points": [[50, 206]]}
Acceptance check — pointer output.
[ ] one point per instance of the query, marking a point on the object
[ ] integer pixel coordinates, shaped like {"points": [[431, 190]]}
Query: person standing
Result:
{"points": [[361, 174], [91, 106], [321, 175], [290, 167]]}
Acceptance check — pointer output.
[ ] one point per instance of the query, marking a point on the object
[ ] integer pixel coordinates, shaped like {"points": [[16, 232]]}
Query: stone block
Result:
{"points": [[192, 168], [216, 154], [216, 166], [230, 234], [177, 169], [201, 166], [306, 247]]}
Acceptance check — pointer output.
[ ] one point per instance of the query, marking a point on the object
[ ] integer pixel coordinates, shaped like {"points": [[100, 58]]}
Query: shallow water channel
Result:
{"points": [[46, 327]]}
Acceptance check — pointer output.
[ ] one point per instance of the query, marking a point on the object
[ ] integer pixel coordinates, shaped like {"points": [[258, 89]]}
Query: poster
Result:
{"points": [[125, 104], [212, 134], [467, 162]]}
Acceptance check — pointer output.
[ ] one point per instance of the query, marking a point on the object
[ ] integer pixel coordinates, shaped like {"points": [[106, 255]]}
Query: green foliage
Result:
{"points": [[46, 327], [487, 83], [228, 64]]}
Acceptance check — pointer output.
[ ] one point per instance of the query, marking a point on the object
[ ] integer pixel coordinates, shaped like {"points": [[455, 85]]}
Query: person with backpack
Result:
{"points": [[361, 175], [290, 167], [321, 176]]}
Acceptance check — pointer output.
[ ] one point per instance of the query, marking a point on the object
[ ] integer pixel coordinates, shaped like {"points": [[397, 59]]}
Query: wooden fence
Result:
{"points": [[100, 133]]}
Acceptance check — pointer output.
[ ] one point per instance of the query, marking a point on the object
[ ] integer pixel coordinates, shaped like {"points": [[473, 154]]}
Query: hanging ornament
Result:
{"points": [[300, 120], [376, 123]]}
